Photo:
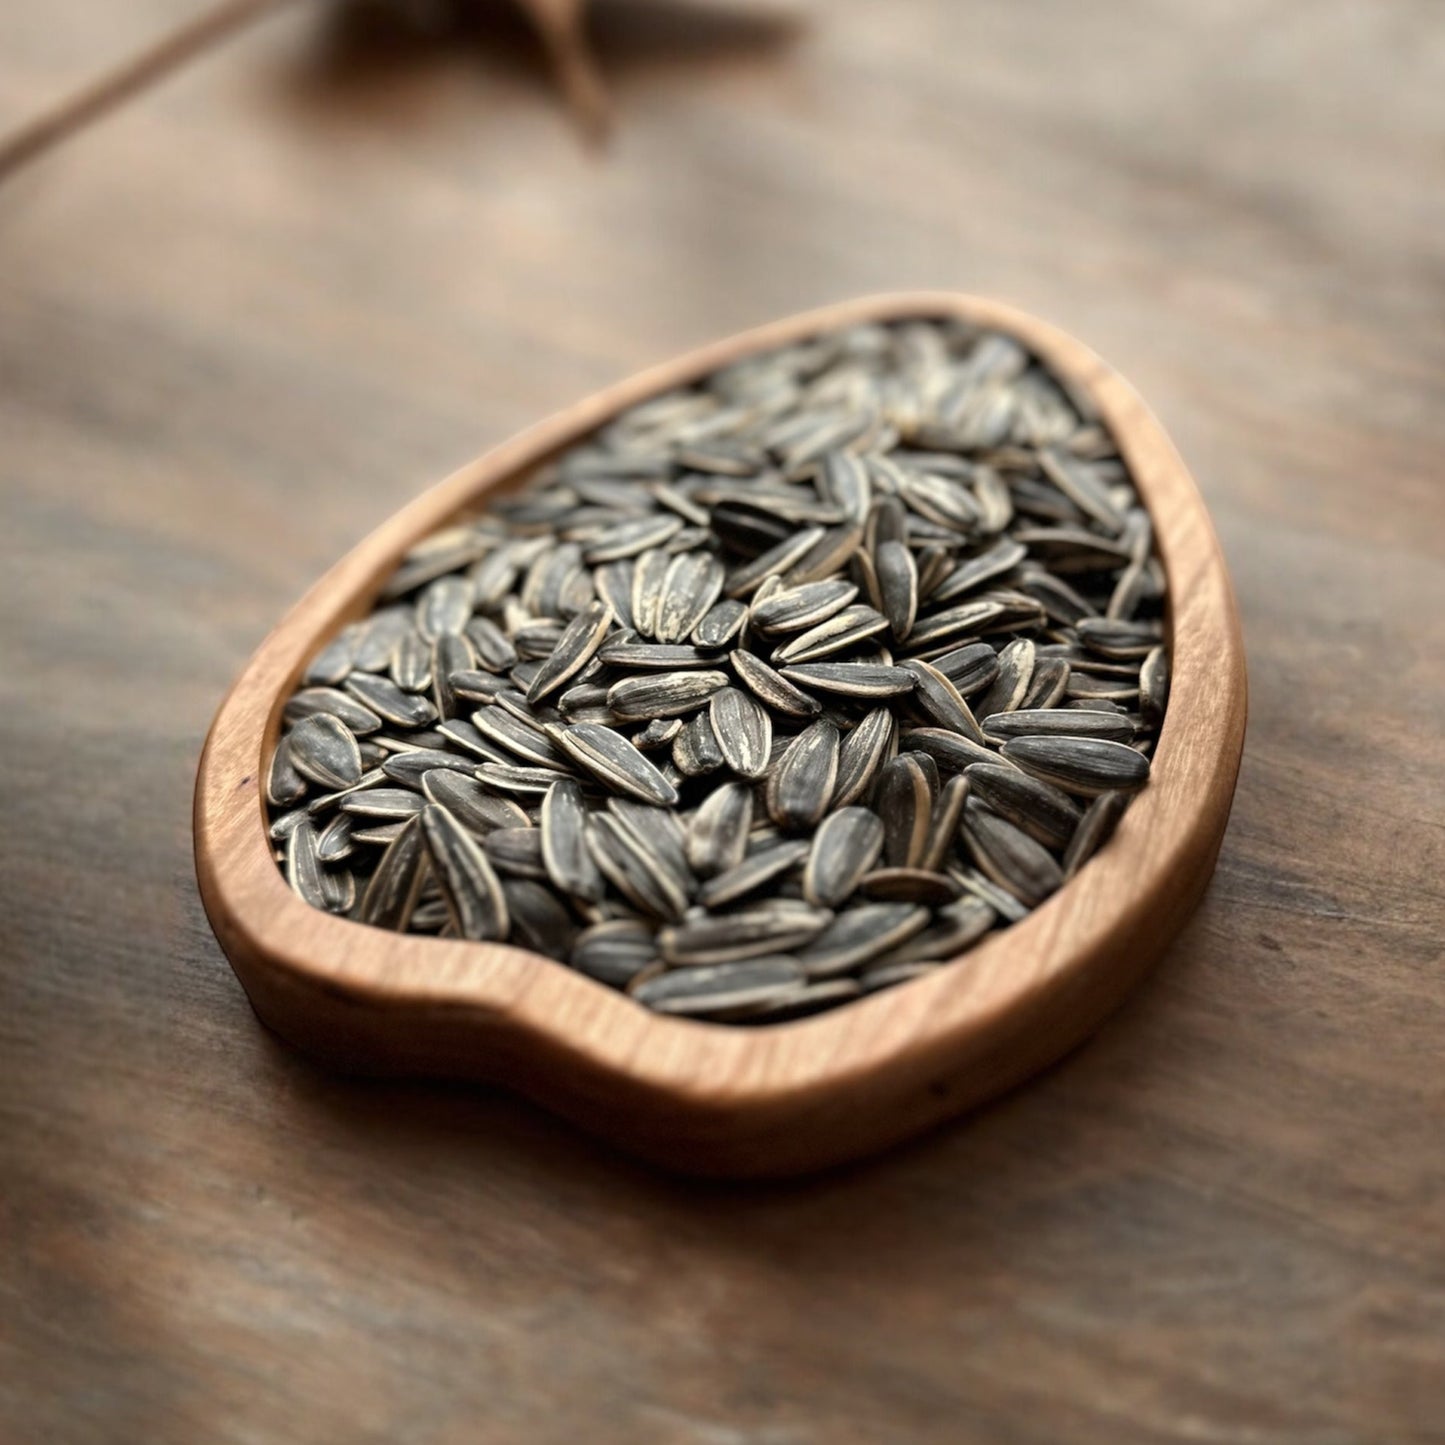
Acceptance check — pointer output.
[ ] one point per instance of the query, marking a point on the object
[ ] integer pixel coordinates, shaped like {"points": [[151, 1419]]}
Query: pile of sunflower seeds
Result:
{"points": [[778, 690]]}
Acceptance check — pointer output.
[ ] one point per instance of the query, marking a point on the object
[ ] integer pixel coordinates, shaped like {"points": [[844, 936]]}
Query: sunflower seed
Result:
{"points": [[1101, 687], [839, 633], [859, 934], [846, 846], [951, 751], [384, 698], [335, 842], [539, 919], [1048, 684], [1009, 856], [303, 867], [942, 701], [411, 766], [743, 729], [392, 893], [411, 668], [771, 687], [1118, 640], [518, 738], [627, 539], [1080, 483], [444, 606], [470, 803], [322, 750], [376, 834], [1015, 671], [905, 803], [513, 778], [338, 890], [800, 785], [379, 639], [1062, 603], [696, 750], [478, 686], [777, 560], [755, 870], [614, 952], [284, 785], [1080, 765], [474, 897], [654, 657], [800, 1002], [955, 927], [851, 679], [1060, 722], [1000, 900], [614, 761], [663, 694], [996, 561], [969, 668], [564, 843], [943, 822], [496, 652], [331, 665], [862, 754], [844, 481], [1154, 686], [659, 829], [886, 973], [1043, 812], [1098, 822], [720, 625], [451, 653], [694, 581], [648, 576], [614, 587], [657, 734], [388, 803], [827, 555], [515, 852], [723, 989], [766, 928], [794, 609], [638, 873], [909, 885], [584, 697], [359, 719], [573, 651], [898, 586], [717, 835]]}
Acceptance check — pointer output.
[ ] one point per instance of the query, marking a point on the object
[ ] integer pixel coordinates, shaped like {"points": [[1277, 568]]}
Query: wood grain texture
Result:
{"points": [[712, 1099], [320, 271]]}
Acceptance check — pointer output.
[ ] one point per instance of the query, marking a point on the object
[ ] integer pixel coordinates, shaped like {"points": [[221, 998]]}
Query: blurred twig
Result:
{"points": [[34, 137], [559, 23]]}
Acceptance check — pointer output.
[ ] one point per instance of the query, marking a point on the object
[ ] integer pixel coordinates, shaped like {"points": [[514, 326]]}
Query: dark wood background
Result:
{"points": [[246, 318]]}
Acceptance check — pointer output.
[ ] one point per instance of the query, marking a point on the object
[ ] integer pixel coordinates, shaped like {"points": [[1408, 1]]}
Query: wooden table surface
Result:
{"points": [[247, 317]]}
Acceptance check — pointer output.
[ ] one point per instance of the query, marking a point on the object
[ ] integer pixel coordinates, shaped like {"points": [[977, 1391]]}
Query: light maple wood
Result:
{"points": [[717, 1099]]}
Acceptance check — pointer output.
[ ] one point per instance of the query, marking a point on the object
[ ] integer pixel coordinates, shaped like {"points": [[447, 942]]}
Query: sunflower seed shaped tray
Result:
{"points": [[799, 675]]}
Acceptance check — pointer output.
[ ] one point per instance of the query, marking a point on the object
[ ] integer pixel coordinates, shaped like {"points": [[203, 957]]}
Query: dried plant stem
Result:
{"points": [[52, 126], [560, 25]]}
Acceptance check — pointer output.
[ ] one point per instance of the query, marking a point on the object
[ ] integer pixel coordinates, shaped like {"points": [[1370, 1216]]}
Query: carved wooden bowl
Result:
{"points": [[715, 1098]]}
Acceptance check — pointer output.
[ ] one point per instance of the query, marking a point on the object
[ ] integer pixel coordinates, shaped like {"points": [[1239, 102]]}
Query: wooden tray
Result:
{"points": [[713, 1098]]}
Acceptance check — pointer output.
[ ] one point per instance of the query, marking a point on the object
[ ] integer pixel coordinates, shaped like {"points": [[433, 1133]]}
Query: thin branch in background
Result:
{"points": [[34, 137], [559, 23]]}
